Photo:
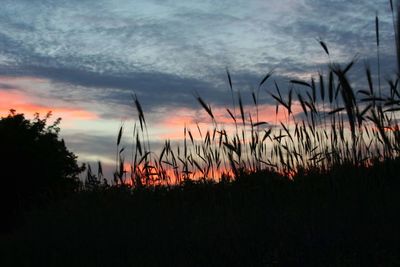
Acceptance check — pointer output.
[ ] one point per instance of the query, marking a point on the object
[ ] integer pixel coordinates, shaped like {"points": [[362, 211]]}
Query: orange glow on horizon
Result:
{"points": [[12, 99], [170, 175], [174, 124]]}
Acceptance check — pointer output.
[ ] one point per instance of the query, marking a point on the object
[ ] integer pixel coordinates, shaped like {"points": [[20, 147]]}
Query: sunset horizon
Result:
{"points": [[166, 53]]}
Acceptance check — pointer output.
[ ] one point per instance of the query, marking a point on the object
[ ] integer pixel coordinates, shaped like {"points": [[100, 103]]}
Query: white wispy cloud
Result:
{"points": [[118, 36]]}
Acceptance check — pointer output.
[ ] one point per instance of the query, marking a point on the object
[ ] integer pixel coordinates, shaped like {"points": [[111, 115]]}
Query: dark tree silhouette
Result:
{"points": [[35, 165]]}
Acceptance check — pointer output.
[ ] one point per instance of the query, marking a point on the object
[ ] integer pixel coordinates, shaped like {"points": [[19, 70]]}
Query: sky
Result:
{"points": [[84, 59]]}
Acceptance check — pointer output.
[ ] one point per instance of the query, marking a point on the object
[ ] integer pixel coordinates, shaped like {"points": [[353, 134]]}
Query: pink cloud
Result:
{"points": [[174, 123], [22, 103]]}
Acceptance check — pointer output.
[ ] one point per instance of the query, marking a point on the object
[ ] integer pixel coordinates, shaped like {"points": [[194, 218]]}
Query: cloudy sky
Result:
{"points": [[83, 59]]}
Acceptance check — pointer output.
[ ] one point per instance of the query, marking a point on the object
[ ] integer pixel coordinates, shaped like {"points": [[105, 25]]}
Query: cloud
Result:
{"points": [[11, 99], [190, 40], [5, 86]]}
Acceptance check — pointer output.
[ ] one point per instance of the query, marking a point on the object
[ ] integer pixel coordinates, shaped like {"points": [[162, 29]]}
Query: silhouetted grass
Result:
{"points": [[353, 124]]}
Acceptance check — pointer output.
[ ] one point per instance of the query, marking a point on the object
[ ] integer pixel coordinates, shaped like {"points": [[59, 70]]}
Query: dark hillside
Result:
{"points": [[346, 217]]}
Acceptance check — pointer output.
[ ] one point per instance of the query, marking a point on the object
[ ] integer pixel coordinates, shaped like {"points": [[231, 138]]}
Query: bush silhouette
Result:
{"points": [[35, 165]]}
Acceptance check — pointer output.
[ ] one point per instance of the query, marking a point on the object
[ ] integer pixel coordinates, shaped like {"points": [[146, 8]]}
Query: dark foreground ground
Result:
{"points": [[350, 217]]}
